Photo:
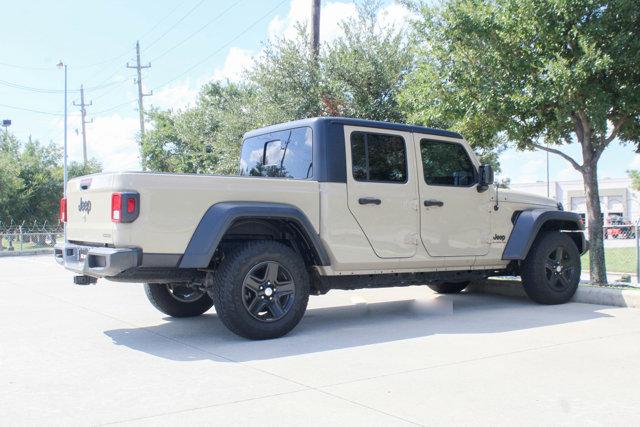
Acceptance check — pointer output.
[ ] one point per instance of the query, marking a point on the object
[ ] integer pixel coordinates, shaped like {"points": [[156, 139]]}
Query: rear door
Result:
{"points": [[382, 189], [455, 217]]}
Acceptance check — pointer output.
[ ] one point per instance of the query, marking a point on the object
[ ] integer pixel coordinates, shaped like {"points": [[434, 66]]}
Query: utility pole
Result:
{"points": [[315, 28], [139, 68], [83, 112]]}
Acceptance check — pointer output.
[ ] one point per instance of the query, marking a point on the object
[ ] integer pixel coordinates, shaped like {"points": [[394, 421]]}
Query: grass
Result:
{"points": [[16, 244], [618, 260]]}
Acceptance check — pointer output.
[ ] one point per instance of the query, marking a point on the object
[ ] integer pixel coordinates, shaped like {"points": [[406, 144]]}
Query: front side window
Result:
{"points": [[282, 154], [379, 158], [446, 163]]}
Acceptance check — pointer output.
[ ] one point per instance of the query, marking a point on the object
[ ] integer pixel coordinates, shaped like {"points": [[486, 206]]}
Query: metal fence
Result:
{"points": [[29, 236], [621, 247]]}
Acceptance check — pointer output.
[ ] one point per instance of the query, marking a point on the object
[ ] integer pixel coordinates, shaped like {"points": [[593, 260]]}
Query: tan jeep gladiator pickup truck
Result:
{"points": [[319, 204]]}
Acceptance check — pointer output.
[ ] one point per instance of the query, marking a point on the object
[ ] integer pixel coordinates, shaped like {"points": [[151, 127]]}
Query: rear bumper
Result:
{"points": [[96, 261]]}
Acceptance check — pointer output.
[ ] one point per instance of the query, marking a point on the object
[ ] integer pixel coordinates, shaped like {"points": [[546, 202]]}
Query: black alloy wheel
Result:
{"points": [[551, 271], [268, 291], [559, 269]]}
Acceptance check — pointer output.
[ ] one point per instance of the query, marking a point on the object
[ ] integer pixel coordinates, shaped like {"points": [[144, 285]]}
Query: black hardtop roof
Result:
{"points": [[320, 121]]}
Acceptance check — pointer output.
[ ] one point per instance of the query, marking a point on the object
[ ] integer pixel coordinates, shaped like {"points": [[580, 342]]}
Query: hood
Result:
{"points": [[513, 196]]}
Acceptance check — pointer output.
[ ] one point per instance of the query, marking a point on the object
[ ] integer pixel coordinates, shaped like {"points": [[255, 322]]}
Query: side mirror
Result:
{"points": [[485, 177]]}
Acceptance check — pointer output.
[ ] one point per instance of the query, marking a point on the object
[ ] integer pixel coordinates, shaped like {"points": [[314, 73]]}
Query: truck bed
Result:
{"points": [[171, 206]]}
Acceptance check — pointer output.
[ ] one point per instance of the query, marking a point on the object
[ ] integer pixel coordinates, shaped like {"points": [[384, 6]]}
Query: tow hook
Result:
{"points": [[84, 280]]}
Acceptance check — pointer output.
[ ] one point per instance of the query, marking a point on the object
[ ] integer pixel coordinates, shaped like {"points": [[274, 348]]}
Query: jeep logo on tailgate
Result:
{"points": [[84, 206]]}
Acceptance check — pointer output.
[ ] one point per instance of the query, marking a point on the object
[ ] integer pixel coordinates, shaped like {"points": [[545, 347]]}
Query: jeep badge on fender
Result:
{"points": [[318, 204]]}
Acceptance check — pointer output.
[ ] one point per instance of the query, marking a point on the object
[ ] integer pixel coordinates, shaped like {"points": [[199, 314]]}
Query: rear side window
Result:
{"points": [[282, 154], [446, 163], [378, 158]]}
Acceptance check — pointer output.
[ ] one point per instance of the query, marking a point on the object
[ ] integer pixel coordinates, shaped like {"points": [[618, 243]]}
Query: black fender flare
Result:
{"points": [[221, 216], [529, 223]]}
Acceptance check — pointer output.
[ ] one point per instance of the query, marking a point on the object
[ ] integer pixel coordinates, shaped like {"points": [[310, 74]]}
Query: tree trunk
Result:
{"points": [[598, 271]]}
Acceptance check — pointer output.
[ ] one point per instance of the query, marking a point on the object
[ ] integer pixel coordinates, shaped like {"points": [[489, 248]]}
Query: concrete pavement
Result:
{"points": [[102, 354]]}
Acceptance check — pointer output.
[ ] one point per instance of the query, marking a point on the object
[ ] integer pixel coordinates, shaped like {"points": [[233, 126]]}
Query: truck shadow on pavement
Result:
{"points": [[354, 325]]}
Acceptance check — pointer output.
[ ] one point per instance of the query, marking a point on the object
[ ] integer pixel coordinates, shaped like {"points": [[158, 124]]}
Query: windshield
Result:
{"points": [[282, 154]]}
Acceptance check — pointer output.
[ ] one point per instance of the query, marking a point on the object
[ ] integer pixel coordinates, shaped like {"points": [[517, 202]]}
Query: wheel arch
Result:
{"points": [[237, 220], [529, 223]]}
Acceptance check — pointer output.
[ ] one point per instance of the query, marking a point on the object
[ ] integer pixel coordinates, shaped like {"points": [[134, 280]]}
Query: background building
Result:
{"points": [[617, 199]]}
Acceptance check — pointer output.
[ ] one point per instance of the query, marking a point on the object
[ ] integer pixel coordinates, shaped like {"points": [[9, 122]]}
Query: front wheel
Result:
{"points": [[261, 290], [177, 300], [551, 271]]}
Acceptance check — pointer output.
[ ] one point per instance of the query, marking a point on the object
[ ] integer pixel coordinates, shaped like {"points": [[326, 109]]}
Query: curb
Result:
{"points": [[586, 294], [46, 251]]}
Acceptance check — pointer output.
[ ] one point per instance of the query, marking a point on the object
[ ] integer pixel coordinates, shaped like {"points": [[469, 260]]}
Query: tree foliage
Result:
{"points": [[360, 74], [31, 177], [537, 74], [635, 179]]}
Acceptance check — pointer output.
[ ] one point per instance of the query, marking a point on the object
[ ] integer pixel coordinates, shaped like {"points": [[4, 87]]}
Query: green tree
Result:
{"points": [[359, 74], [635, 179], [202, 139], [539, 74], [364, 69], [31, 177]]}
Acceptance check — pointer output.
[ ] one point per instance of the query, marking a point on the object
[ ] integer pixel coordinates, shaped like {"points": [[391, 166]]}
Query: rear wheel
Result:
{"points": [[178, 300], [551, 271], [261, 290], [449, 288]]}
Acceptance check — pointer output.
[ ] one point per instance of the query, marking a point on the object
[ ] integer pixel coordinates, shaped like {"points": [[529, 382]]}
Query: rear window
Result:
{"points": [[282, 154]]}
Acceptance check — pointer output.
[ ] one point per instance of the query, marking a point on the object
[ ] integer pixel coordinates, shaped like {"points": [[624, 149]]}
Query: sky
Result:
{"points": [[188, 43]]}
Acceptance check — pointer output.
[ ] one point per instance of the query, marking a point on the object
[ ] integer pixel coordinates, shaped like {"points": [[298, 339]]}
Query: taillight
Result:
{"points": [[125, 206], [63, 210], [131, 205], [116, 207]]}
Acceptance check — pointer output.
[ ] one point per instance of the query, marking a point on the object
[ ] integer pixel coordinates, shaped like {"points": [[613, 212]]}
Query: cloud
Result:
{"points": [[237, 61], [110, 139], [568, 174], [522, 166], [394, 15], [177, 96], [635, 163], [332, 13]]}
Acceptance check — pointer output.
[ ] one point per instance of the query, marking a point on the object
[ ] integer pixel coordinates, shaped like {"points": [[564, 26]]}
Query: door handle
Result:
{"points": [[431, 202], [369, 201]]}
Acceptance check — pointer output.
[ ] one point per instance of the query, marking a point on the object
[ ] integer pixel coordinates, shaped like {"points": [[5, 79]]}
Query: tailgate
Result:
{"points": [[89, 209]]}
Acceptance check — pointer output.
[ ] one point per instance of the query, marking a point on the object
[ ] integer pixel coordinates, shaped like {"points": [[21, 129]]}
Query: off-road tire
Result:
{"points": [[449, 288], [540, 280], [162, 298], [227, 290]]}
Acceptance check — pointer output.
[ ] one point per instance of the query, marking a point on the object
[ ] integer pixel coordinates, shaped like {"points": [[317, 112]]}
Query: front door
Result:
{"points": [[455, 217], [382, 190]]}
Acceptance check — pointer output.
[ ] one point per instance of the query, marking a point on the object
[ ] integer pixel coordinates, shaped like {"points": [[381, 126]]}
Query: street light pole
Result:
{"points": [[64, 159]]}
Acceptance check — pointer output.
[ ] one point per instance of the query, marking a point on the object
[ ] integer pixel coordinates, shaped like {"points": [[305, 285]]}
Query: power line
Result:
{"points": [[115, 107], [50, 113], [105, 93], [175, 24], [211, 21], [58, 91], [25, 67], [224, 46], [162, 19]]}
